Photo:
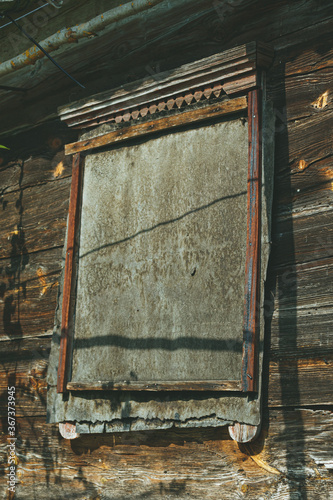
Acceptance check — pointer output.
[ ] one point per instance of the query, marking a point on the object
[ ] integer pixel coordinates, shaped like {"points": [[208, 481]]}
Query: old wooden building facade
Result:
{"points": [[105, 45]]}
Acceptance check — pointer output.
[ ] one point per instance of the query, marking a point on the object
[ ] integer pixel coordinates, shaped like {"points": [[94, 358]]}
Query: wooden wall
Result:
{"points": [[293, 457]]}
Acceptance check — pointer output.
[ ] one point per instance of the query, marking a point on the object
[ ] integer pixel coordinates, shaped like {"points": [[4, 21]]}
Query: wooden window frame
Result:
{"points": [[238, 73]]}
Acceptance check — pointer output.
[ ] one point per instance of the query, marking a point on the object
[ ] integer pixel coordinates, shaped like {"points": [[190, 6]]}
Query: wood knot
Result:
{"points": [[322, 101], [302, 165]]}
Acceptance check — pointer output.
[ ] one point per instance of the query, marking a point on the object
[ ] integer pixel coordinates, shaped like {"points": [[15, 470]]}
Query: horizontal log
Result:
{"points": [[289, 457], [303, 238], [28, 293], [152, 126], [297, 442], [308, 139], [34, 219], [301, 336], [304, 186], [30, 390], [297, 91], [302, 55], [200, 30], [297, 288], [297, 382], [35, 152], [21, 354], [300, 382], [299, 312], [19, 174]]}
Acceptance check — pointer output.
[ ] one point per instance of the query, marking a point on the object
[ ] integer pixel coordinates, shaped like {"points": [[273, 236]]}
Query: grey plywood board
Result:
{"points": [[162, 259]]}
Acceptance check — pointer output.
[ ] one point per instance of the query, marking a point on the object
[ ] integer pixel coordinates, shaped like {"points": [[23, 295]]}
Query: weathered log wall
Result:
{"points": [[293, 455]]}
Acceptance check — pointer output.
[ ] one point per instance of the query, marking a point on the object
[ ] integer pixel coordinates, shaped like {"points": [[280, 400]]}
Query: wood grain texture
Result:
{"points": [[28, 292], [315, 197], [303, 238], [309, 139], [20, 354], [20, 174], [304, 287], [302, 335], [301, 382], [34, 219], [197, 463]]}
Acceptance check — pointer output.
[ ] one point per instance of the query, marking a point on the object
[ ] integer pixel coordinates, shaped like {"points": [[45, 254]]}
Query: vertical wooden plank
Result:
{"points": [[67, 287], [252, 266]]}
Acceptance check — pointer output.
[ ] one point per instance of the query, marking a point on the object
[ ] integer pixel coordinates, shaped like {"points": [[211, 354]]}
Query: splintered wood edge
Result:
{"points": [[207, 385], [151, 126], [68, 430], [244, 433]]}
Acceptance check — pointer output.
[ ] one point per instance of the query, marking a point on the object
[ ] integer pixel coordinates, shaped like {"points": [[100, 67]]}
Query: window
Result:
{"points": [[167, 247]]}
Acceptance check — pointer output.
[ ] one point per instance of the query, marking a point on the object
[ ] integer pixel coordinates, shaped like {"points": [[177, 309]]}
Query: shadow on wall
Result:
{"points": [[12, 289], [294, 442]]}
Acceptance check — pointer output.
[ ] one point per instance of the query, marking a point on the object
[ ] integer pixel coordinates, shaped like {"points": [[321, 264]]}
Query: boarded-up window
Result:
{"points": [[162, 262], [170, 254]]}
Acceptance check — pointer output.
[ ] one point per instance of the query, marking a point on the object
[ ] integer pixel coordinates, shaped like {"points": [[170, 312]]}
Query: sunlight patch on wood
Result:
{"points": [[322, 101], [59, 169]]}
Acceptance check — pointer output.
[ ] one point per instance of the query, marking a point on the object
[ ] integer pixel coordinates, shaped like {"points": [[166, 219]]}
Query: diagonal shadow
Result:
{"points": [[19, 259], [164, 223]]}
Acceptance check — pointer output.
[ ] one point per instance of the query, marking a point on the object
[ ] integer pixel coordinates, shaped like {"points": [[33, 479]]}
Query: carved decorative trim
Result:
{"points": [[148, 109], [228, 73], [152, 125]]}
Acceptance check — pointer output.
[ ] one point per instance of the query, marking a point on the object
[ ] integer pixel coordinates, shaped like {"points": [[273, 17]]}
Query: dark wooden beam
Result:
{"points": [[252, 264]]}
